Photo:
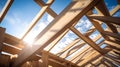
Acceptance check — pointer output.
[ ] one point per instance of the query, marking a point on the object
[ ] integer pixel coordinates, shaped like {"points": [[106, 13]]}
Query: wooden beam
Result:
{"points": [[75, 11], [86, 48], [5, 9], [73, 50], [12, 40], [36, 64], [98, 27], [113, 11], [2, 33], [115, 59], [61, 60], [83, 56], [115, 35], [118, 2], [68, 46], [97, 24], [107, 19], [4, 60], [54, 63], [53, 14], [44, 59], [88, 58], [10, 49], [53, 59], [111, 62], [112, 43], [104, 12], [105, 64], [13, 50], [49, 10], [37, 17], [97, 61], [78, 47], [88, 40], [89, 32], [52, 44]]}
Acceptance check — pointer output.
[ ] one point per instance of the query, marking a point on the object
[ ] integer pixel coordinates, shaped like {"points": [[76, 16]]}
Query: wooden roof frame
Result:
{"points": [[56, 32]]}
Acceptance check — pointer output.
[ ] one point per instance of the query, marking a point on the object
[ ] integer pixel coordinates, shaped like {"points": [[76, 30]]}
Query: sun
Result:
{"points": [[29, 40]]}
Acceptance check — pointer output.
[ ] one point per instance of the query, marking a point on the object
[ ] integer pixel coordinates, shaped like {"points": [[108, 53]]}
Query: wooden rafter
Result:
{"points": [[92, 53], [54, 28], [104, 12], [37, 17], [49, 10], [88, 40], [5, 9], [2, 34], [107, 19]]}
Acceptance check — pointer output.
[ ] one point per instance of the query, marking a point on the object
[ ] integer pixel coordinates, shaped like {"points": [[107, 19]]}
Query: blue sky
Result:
{"points": [[22, 12]]}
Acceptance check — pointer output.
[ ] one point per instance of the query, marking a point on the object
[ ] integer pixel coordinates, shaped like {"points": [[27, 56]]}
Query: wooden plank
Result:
{"points": [[89, 32], [61, 60], [110, 62], [81, 44], [57, 27], [87, 47], [74, 49], [115, 59], [44, 59], [97, 61], [54, 63], [114, 40], [54, 60], [83, 55], [52, 44], [96, 24], [5, 9], [112, 34], [98, 27], [112, 43], [113, 11], [107, 19], [4, 60], [2, 35], [88, 40], [49, 10], [10, 49], [104, 12], [90, 59], [86, 59], [36, 19], [118, 2], [12, 40], [68, 46], [105, 64]]}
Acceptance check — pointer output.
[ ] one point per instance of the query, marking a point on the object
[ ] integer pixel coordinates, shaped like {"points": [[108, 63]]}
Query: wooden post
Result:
{"points": [[5, 9], [44, 59], [2, 31]]}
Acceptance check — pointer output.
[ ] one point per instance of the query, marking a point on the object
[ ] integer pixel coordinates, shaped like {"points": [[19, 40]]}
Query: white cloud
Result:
{"points": [[88, 23], [93, 35], [13, 18]]}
